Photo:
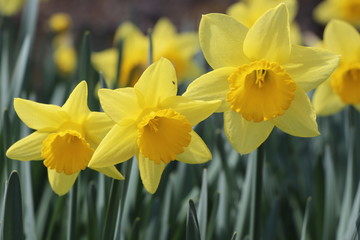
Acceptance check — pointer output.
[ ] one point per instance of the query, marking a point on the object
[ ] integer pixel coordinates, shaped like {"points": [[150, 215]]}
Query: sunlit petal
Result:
{"points": [[245, 136], [60, 182], [221, 40], [96, 126], [269, 37], [309, 67], [150, 173], [76, 105], [196, 152], [28, 148], [39, 116], [158, 82], [194, 110], [119, 104], [300, 119], [119, 145], [211, 86], [111, 172], [344, 39]]}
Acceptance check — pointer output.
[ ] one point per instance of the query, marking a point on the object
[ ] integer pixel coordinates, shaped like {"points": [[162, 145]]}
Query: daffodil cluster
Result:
{"points": [[178, 48], [260, 81]]}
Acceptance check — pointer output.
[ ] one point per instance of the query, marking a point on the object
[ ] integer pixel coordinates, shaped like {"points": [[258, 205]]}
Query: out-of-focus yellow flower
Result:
{"points": [[178, 48], [347, 10], [60, 22], [248, 11], [64, 55], [343, 87], [65, 137], [10, 7], [65, 59], [152, 123], [260, 77]]}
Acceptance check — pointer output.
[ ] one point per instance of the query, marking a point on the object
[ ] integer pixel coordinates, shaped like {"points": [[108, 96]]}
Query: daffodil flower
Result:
{"points": [[343, 87], [154, 124], [260, 77], [65, 137], [179, 48], [347, 10], [248, 11], [10, 7]]}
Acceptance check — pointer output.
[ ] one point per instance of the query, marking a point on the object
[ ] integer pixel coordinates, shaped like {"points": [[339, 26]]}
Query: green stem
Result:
{"points": [[71, 230], [255, 218]]}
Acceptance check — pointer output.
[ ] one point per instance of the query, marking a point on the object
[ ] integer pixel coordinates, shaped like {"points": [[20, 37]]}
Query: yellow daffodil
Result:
{"points": [[343, 87], [65, 59], [10, 7], [65, 137], [248, 11], [260, 77], [178, 48], [64, 52], [347, 10], [60, 22], [152, 123]]}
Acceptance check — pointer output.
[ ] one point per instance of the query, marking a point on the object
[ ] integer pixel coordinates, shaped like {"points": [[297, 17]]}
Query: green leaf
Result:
{"points": [[306, 218], [72, 224], [255, 216], [331, 196], [192, 224], [12, 218], [84, 61], [244, 203], [203, 204]]}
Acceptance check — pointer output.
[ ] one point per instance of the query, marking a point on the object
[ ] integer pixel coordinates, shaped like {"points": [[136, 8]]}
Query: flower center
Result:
{"points": [[260, 91], [66, 151], [346, 82], [163, 134]]}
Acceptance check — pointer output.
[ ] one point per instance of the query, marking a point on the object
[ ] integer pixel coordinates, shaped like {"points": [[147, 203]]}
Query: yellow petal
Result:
{"points": [[164, 28], [326, 101], [221, 40], [105, 62], [60, 182], [119, 145], [269, 37], [158, 82], [120, 104], [197, 151], [344, 39], [96, 126], [76, 105], [28, 148], [194, 110], [127, 29], [309, 67], [245, 136], [39, 116], [111, 172], [150, 173], [240, 11], [211, 86], [300, 119], [325, 11], [188, 43]]}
